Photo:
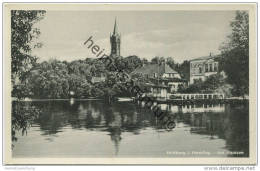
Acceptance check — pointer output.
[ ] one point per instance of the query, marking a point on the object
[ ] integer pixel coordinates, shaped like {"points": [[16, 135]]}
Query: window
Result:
{"points": [[210, 68], [215, 67], [206, 68], [200, 70]]}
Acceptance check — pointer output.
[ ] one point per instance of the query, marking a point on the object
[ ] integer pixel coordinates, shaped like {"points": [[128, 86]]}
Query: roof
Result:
{"points": [[204, 58], [160, 69]]}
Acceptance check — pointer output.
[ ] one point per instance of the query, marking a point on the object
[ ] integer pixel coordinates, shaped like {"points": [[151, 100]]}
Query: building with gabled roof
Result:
{"points": [[162, 77]]}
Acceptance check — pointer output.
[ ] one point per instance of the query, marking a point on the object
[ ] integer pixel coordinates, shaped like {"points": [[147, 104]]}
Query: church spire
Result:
{"points": [[115, 40], [115, 28]]}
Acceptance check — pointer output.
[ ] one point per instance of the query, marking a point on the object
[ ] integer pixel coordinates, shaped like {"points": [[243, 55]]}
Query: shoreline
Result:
{"points": [[76, 99], [131, 99]]}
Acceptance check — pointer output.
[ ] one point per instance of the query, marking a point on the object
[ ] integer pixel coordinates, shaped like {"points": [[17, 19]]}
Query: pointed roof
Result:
{"points": [[115, 28]]}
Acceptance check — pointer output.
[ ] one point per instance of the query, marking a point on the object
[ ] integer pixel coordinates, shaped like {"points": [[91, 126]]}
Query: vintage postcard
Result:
{"points": [[129, 83]]}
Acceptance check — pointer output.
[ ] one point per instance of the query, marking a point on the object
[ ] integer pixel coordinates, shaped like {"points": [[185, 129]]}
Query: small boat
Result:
{"points": [[124, 99]]}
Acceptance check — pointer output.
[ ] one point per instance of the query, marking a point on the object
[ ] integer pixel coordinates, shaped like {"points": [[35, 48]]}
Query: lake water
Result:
{"points": [[126, 129]]}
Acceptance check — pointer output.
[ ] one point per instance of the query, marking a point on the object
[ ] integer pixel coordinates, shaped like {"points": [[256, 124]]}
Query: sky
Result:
{"points": [[182, 35]]}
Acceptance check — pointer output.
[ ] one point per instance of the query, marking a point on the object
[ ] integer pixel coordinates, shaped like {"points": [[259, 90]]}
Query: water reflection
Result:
{"points": [[216, 121]]}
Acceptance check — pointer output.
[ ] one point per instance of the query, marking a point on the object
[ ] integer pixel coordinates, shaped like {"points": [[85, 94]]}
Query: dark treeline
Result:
{"points": [[57, 79]]}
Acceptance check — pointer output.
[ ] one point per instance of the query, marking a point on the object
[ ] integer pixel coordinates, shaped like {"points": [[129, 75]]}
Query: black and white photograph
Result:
{"points": [[158, 82]]}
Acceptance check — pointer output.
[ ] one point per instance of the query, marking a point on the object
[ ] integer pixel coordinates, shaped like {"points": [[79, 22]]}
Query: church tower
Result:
{"points": [[115, 39]]}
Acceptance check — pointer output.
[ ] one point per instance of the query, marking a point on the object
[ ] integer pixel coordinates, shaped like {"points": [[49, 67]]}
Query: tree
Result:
{"points": [[144, 61], [235, 54], [157, 60], [49, 80], [183, 69], [23, 115], [22, 35], [214, 84], [170, 62], [131, 63]]}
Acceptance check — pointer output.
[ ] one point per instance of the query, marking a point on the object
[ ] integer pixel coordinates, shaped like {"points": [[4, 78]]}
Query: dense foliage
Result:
{"points": [[22, 36], [214, 84], [56, 79], [23, 115], [235, 53]]}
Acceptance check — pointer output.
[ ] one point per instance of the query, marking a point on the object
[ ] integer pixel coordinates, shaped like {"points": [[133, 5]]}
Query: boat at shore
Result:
{"points": [[124, 99]]}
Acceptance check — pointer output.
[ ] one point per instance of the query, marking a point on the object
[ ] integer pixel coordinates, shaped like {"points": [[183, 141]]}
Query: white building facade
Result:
{"points": [[202, 68]]}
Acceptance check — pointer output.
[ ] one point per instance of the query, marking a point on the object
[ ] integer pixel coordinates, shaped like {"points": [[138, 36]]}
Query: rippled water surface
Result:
{"points": [[127, 129]]}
